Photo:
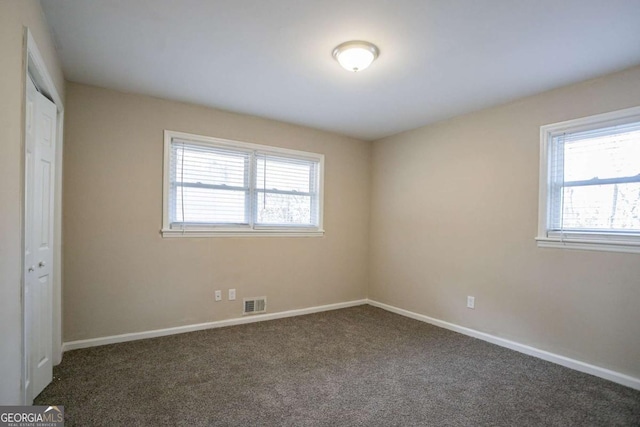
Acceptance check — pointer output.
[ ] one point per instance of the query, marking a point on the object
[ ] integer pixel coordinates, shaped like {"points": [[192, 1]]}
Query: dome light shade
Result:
{"points": [[355, 55]]}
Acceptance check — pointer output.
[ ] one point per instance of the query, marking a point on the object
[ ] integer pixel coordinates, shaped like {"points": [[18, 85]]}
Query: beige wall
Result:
{"points": [[121, 276], [14, 15], [454, 213]]}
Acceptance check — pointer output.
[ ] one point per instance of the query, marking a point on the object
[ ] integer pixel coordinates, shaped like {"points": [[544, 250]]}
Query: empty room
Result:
{"points": [[320, 213]]}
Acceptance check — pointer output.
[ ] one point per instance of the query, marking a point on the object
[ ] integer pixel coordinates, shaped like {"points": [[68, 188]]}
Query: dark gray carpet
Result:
{"points": [[359, 366]]}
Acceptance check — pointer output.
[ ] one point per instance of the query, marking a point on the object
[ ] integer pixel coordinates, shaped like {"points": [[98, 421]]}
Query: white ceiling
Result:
{"points": [[272, 58]]}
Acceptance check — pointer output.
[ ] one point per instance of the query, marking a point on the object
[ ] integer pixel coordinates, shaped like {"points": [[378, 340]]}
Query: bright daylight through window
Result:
{"points": [[215, 187], [590, 183]]}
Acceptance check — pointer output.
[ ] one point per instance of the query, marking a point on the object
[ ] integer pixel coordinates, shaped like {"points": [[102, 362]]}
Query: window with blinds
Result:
{"points": [[591, 194], [286, 191], [222, 187], [209, 185]]}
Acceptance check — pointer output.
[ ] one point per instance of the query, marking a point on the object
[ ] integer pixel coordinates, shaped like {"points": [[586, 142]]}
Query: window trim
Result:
{"points": [[584, 240], [239, 230]]}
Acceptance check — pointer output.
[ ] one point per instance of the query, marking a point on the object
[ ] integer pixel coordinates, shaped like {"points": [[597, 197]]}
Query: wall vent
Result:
{"points": [[255, 305]]}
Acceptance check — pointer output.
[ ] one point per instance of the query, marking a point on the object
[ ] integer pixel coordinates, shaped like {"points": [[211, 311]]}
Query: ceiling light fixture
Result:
{"points": [[355, 55]]}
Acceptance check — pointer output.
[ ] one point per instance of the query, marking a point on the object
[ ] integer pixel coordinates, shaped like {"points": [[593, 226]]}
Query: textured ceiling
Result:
{"points": [[272, 58]]}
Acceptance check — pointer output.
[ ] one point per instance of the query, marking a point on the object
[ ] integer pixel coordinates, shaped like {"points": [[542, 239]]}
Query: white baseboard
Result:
{"points": [[577, 365], [94, 342]]}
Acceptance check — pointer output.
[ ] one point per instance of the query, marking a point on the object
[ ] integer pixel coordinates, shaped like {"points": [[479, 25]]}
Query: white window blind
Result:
{"points": [[596, 180], [209, 185], [286, 191], [219, 186], [590, 183]]}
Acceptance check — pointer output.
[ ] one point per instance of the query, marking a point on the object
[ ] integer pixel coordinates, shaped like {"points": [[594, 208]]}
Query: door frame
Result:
{"points": [[33, 64]]}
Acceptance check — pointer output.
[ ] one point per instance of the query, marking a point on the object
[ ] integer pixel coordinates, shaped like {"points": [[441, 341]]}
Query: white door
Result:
{"points": [[39, 197], [29, 258]]}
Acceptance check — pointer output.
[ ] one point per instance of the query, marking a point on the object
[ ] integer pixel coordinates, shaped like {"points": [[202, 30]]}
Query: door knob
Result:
{"points": [[41, 264], [32, 269]]}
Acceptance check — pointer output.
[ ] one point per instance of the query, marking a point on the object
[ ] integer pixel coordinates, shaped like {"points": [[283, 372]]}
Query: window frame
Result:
{"points": [[584, 240], [240, 230]]}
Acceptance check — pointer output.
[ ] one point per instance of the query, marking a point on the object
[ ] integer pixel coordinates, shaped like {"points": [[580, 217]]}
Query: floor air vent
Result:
{"points": [[255, 305]]}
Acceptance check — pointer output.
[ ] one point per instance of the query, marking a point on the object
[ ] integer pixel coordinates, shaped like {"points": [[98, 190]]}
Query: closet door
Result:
{"points": [[39, 187]]}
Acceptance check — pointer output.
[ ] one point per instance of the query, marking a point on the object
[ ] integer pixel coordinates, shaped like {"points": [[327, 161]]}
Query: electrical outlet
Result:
{"points": [[218, 295], [232, 294], [471, 302]]}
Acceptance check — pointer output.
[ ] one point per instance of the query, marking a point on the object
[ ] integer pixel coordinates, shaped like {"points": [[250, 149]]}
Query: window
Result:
{"points": [[215, 187], [590, 183]]}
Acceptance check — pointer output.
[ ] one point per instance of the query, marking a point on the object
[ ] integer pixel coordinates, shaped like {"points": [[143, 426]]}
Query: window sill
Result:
{"points": [[589, 244], [241, 233]]}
